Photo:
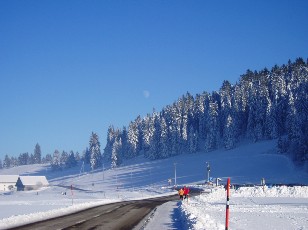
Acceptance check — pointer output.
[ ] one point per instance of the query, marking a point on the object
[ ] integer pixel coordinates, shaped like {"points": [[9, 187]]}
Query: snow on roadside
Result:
{"points": [[165, 216], [15, 221], [196, 218], [279, 191], [194, 211], [250, 208], [79, 205]]}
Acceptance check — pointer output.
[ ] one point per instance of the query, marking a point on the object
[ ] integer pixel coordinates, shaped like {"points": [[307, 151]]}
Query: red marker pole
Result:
{"points": [[227, 206]]}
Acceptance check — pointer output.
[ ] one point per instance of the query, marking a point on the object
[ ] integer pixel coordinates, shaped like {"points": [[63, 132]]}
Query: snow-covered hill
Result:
{"points": [[141, 178]]}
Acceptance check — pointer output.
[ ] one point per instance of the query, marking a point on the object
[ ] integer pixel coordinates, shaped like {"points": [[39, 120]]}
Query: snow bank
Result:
{"points": [[249, 205], [15, 221], [197, 219], [24, 219], [281, 191]]}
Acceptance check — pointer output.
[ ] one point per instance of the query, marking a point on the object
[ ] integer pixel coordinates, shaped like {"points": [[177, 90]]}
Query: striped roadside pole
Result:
{"points": [[227, 205]]}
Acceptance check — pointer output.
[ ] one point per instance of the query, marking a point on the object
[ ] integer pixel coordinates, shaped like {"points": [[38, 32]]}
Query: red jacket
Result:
{"points": [[186, 190]]}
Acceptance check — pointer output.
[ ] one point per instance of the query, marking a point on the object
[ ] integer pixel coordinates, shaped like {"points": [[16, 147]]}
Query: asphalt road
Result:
{"points": [[122, 215]]}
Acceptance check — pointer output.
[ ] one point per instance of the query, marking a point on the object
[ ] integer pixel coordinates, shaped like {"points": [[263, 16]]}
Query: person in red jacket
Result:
{"points": [[186, 192]]}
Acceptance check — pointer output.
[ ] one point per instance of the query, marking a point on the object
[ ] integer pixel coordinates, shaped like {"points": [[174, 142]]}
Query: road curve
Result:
{"points": [[121, 215]]}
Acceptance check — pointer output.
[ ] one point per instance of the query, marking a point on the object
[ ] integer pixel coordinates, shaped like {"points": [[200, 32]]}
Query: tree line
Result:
{"points": [[24, 158], [262, 105], [91, 155], [66, 160], [59, 160]]}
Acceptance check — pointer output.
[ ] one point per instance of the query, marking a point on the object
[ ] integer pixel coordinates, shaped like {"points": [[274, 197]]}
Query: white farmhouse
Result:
{"points": [[8, 182], [26, 183]]}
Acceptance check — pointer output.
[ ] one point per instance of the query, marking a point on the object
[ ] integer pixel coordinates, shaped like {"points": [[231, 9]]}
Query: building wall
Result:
{"points": [[5, 186], [32, 187]]}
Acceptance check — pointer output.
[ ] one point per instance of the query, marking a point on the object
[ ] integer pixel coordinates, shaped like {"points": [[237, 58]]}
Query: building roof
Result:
{"points": [[34, 180], [8, 178]]}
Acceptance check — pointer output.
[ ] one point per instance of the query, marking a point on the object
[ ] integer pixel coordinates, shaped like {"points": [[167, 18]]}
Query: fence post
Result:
{"points": [[227, 205]]}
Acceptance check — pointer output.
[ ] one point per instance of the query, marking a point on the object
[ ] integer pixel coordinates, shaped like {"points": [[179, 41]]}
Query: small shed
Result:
{"points": [[8, 182], [27, 183]]}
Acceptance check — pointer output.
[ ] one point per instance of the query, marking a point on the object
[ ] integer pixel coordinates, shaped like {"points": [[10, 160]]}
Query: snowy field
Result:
{"points": [[250, 208]]}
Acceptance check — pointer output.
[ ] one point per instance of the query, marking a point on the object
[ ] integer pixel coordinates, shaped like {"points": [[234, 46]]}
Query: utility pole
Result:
{"points": [[81, 169], [208, 168], [117, 178], [174, 174], [131, 178], [103, 172]]}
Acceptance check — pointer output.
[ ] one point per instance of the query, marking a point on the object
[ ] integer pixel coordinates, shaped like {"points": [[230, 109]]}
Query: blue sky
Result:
{"points": [[68, 68]]}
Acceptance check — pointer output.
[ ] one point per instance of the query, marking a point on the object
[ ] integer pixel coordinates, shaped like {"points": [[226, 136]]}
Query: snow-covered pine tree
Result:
{"points": [[133, 140], [271, 125], [176, 128], [202, 107], [116, 153], [77, 156], [14, 162], [225, 93], [94, 148], [154, 151], [31, 159], [111, 136], [229, 138], [227, 118], [37, 154], [63, 159], [124, 144], [302, 116], [192, 140], [48, 158], [87, 156], [148, 132], [164, 139], [23, 159], [55, 163], [252, 131], [212, 136], [181, 122], [279, 98], [293, 128], [71, 160]]}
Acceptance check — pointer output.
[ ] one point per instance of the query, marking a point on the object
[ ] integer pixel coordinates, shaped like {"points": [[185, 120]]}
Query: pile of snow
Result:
{"points": [[250, 208], [279, 191]]}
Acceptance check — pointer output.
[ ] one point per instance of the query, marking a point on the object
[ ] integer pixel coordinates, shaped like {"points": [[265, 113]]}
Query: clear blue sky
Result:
{"points": [[71, 67]]}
